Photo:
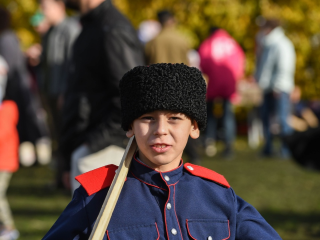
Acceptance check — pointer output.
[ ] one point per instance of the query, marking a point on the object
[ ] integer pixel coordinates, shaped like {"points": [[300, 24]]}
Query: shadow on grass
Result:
{"points": [[293, 222]]}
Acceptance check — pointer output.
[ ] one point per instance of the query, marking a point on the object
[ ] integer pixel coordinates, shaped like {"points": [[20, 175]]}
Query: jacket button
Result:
{"points": [[166, 178], [169, 206], [209, 238], [174, 231]]}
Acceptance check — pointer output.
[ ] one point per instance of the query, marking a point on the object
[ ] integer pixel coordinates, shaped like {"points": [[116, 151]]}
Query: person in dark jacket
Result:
{"points": [[57, 45], [106, 48], [56, 50]]}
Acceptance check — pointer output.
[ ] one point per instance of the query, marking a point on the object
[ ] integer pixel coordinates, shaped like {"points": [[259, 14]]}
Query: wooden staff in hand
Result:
{"points": [[111, 199]]}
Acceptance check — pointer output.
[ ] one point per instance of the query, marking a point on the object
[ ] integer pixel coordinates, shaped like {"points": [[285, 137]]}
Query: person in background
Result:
{"points": [[33, 53], [275, 75], [19, 89], [57, 46], [52, 78], [302, 116], [9, 160], [43, 146], [106, 48], [303, 143], [169, 46], [222, 60]]}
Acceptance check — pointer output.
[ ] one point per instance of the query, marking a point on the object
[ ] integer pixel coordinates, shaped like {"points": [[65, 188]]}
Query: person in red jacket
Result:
{"points": [[222, 60], [9, 161]]}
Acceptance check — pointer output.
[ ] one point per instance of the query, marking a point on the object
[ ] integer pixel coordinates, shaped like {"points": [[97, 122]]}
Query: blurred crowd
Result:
{"points": [[59, 99]]}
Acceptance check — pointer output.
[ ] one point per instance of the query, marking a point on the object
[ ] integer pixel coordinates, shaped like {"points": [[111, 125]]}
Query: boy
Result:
{"points": [[162, 198]]}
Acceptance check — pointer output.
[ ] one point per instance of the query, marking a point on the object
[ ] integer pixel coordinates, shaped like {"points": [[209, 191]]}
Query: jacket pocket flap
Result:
{"points": [[217, 229], [141, 232]]}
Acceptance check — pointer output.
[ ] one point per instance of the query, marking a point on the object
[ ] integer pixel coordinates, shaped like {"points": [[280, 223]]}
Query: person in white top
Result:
{"points": [[275, 76]]}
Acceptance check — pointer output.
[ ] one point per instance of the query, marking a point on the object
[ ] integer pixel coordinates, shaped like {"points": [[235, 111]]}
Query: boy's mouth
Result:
{"points": [[160, 147]]}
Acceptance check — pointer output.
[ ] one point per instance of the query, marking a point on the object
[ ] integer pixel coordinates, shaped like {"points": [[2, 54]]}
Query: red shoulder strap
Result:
{"points": [[97, 179], [207, 174]]}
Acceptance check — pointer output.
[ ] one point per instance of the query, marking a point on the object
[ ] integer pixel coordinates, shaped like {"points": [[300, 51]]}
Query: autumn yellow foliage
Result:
{"points": [[301, 21]]}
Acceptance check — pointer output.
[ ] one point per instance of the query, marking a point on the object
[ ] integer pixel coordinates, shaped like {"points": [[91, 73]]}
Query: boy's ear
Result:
{"points": [[129, 133], [195, 131]]}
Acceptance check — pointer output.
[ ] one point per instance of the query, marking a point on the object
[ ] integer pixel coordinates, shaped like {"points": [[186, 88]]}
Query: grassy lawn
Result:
{"points": [[285, 194]]}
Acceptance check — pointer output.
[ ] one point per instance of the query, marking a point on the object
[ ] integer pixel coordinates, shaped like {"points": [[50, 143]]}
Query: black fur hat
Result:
{"points": [[163, 86]]}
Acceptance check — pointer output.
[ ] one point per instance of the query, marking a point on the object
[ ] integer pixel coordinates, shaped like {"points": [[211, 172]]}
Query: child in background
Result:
{"points": [[162, 198], [9, 162]]}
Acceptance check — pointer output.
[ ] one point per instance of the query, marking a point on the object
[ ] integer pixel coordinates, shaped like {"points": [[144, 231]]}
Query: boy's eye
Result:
{"points": [[174, 118], [147, 117]]}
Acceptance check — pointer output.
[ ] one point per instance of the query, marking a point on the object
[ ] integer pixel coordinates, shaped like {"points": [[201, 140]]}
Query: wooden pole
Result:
{"points": [[111, 199]]}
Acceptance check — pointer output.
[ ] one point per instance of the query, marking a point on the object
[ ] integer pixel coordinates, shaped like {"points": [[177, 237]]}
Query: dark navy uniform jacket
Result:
{"points": [[189, 202]]}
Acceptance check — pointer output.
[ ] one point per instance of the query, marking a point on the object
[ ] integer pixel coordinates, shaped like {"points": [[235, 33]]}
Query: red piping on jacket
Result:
{"points": [[229, 231], [165, 206], [147, 183], [157, 231], [189, 231]]}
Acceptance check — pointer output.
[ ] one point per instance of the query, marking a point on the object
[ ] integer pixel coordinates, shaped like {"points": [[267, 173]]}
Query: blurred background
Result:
{"points": [[301, 22], [284, 190]]}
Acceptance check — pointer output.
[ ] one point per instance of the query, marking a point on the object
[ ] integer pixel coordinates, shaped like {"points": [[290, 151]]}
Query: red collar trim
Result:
{"points": [[152, 185]]}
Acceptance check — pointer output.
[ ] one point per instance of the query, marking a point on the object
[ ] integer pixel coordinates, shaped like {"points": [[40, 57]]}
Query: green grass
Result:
{"points": [[35, 205], [285, 194]]}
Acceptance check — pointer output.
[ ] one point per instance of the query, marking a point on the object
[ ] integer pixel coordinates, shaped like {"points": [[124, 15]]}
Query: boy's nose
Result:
{"points": [[161, 127]]}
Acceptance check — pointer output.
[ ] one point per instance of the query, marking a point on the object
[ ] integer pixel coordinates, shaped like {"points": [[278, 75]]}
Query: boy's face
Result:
{"points": [[161, 137]]}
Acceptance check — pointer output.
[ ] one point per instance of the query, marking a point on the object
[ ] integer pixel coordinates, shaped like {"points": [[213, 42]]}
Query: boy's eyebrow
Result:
{"points": [[182, 114]]}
